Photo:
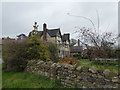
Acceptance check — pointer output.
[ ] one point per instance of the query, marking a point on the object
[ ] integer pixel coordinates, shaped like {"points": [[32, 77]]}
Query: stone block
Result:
{"points": [[79, 68], [107, 86], [93, 69], [115, 80], [106, 72], [110, 74], [79, 85], [40, 62], [85, 69]]}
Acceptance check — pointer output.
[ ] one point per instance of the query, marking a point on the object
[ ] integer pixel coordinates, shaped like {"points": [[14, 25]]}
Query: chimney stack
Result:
{"points": [[44, 32], [78, 42], [44, 26]]}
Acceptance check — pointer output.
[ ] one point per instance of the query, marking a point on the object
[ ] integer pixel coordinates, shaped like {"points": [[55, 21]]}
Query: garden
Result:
{"points": [[100, 63], [16, 55], [27, 80]]}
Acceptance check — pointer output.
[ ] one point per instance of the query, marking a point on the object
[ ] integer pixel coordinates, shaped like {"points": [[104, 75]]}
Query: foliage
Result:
{"points": [[33, 33], [99, 64], [0, 75], [14, 55], [37, 49], [70, 61], [0, 51], [77, 56], [98, 45], [27, 80], [105, 62], [101, 43], [53, 52]]}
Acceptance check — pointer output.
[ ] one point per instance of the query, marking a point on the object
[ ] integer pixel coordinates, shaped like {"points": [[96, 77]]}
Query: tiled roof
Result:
{"points": [[75, 49], [40, 33], [65, 37], [56, 32], [22, 35], [51, 32]]}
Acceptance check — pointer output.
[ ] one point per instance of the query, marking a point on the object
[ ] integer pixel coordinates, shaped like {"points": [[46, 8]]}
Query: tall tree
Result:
{"points": [[98, 45]]}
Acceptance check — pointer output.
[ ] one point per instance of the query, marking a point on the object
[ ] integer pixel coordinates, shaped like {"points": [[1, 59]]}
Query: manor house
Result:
{"points": [[54, 36]]}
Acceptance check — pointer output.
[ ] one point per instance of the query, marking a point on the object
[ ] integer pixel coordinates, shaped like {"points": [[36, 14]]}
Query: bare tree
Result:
{"points": [[73, 42], [97, 44]]}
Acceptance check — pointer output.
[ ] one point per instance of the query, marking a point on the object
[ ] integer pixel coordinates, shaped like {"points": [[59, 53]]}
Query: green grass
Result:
{"points": [[0, 75], [107, 67], [85, 61], [101, 67], [0, 51], [27, 80]]}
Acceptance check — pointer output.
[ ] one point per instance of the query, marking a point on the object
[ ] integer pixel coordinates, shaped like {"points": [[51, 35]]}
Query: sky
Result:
{"points": [[19, 17]]}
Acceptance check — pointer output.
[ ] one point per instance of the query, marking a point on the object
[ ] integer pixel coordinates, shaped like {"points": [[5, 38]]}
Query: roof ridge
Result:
{"points": [[54, 29]]}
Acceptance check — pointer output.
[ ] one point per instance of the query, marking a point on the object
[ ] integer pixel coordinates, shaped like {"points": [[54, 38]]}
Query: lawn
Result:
{"points": [[0, 75], [87, 63], [0, 51], [27, 80]]}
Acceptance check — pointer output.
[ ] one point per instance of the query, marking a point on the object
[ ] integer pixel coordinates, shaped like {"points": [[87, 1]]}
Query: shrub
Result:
{"points": [[14, 55], [37, 49], [70, 61], [53, 52], [77, 56]]}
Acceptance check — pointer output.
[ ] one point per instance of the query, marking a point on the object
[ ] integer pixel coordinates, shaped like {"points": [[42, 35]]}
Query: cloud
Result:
{"points": [[0, 20], [19, 17]]}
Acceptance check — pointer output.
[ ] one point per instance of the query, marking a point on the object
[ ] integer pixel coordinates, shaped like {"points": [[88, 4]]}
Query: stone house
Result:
{"points": [[55, 36], [76, 49]]}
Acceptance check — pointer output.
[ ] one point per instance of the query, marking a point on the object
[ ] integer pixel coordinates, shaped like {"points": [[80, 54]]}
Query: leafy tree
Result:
{"points": [[37, 49], [14, 55], [53, 52]]}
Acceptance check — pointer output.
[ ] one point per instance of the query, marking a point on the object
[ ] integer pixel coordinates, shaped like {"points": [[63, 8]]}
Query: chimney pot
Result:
{"points": [[78, 42], [45, 32]]}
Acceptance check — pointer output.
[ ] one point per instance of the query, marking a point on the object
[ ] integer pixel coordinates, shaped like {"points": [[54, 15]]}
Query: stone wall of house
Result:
{"points": [[82, 77]]}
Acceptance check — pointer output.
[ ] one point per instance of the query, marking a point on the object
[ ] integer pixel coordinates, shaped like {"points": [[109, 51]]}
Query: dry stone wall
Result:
{"points": [[82, 77]]}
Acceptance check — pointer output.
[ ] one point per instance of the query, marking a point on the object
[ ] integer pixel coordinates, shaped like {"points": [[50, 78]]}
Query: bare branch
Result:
{"points": [[98, 20], [84, 18]]}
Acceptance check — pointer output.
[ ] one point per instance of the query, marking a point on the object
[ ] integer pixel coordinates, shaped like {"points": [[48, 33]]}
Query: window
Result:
{"points": [[58, 42], [59, 51]]}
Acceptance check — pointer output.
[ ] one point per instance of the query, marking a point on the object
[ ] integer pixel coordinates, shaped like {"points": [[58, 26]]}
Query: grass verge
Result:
{"points": [[0, 51], [27, 80], [88, 63]]}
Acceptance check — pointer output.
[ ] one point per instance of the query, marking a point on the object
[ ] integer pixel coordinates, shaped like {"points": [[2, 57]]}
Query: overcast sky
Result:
{"points": [[19, 17]]}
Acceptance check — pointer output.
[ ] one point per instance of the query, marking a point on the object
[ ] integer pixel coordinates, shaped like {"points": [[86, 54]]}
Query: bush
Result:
{"points": [[14, 55], [53, 52], [77, 56], [70, 61], [37, 49]]}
